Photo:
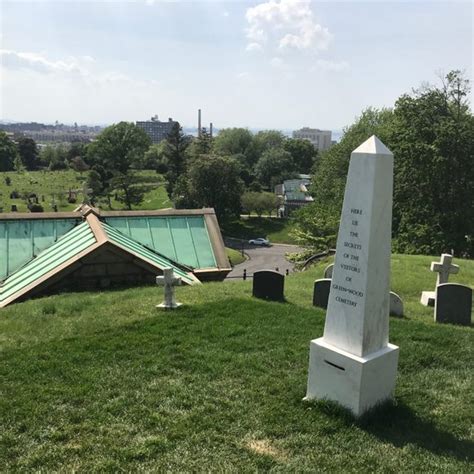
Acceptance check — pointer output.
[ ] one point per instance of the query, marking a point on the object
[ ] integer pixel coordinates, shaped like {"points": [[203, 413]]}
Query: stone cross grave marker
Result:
{"points": [[169, 281], [353, 363], [443, 268]]}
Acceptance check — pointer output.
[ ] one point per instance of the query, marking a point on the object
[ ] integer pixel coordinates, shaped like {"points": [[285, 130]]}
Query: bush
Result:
{"points": [[71, 200], [35, 207]]}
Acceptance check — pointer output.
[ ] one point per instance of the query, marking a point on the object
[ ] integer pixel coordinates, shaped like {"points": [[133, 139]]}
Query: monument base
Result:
{"points": [[357, 383], [167, 306], [428, 298]]}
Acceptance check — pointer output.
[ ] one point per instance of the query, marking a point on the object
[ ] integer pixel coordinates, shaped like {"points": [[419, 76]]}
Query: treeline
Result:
{"points": [[228, 172], [431, 134], [24, 154]]}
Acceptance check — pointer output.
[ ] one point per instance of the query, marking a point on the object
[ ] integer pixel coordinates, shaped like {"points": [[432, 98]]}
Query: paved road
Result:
{"points": [[265, 258]]}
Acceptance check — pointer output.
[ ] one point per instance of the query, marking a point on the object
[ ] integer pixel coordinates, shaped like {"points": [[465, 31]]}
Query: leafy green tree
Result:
{"points": [[316, 224], [201, 145], [274, 166], [303, 153], [176, 145], [117, 151], [78, 164], [259, 202], [28, 152], [433, 144], [119, 147], [238, 143], [129, 192], [77, 149], [211, 181], [155, 158], [266, 140], [8, 153]]}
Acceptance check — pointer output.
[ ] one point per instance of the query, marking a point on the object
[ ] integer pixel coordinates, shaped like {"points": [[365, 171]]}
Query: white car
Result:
{"points": [[260, 241]]}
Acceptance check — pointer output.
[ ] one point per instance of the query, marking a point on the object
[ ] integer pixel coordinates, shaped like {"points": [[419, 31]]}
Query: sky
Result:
{"points": [[280, 64]]}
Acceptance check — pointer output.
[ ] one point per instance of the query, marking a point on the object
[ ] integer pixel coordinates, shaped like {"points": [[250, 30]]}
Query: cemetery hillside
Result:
{"points": [[104, 381]]}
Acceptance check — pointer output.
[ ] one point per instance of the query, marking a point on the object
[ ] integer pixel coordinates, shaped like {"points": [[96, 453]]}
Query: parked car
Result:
{"points": [[260, 241]]}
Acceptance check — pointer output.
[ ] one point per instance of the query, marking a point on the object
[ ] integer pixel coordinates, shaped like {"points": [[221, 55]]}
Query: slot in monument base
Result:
{"points": [[357, 383]]}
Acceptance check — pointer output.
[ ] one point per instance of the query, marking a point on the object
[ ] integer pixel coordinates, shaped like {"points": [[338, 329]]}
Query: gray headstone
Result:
{"points": [[321, 292], [268, 285], [396, 305], [328, 271], [453, 304]]}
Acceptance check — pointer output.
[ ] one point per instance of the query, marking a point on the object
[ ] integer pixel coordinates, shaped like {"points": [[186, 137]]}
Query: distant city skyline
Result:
{"points": [[276, 64]]}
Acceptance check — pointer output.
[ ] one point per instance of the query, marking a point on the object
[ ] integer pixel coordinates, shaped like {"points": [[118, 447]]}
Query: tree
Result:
{"points": [[155, 158], [119, 147], [77, 149], [268, 139], [211, 181], [236, 142], [117, 150], [259, 202], [201, 145], [274, 166], [8, 153], [129, 193], [316, 224], [433, 143], [28, 152], [303, 153], [78, 164], [175, 148]]}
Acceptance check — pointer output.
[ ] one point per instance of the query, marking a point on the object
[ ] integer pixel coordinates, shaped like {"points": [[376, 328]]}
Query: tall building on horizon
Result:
{"points": [[321, 139], [156, 130]]}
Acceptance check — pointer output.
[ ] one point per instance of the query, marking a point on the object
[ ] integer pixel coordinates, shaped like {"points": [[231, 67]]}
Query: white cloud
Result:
{"points": [[37, 62], [277, 63], [254, 47], [286, 24], [331, 66], [243, 75]]}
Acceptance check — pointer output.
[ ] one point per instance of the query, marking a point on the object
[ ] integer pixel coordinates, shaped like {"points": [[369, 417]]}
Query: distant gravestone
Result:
{"points": [[328, 271], [453, 304], [443, 268], [396, 305], [268, 285], [353, 363], [321, 292]]}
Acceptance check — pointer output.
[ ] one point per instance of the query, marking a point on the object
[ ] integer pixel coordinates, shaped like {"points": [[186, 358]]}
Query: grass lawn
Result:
{"points": [[58, 183], [104, 381], [235, 257], [275, 229]]}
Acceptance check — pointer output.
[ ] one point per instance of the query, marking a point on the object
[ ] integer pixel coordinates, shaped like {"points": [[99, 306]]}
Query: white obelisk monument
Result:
{"points": [[353, 363]]}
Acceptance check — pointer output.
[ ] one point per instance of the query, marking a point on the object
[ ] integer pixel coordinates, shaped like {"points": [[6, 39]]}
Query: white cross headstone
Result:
{"points": [[353, 363], [169, 281], [443, 268]]}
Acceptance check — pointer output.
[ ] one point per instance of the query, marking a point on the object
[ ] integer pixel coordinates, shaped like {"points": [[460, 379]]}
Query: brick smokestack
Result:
{"points": [[199, 122]]}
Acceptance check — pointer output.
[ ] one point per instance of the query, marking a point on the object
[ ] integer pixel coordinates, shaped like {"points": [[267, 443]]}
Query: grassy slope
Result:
{"points": [[107, 382], [277, 230], [235, 257], [47, 183]]}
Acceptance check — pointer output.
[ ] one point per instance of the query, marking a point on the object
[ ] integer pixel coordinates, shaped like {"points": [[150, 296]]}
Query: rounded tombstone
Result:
{"points": [[396, 305], [328, 271], [268, 285]]}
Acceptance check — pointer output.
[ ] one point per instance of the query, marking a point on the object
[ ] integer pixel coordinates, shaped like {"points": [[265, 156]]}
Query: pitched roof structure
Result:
{"points": [[94, 252]]}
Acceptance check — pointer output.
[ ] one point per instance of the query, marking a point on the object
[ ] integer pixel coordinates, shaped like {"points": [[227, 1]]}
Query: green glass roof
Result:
{"points": [[127, 243], [74, 242], [183, 239], [21, 240]]}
